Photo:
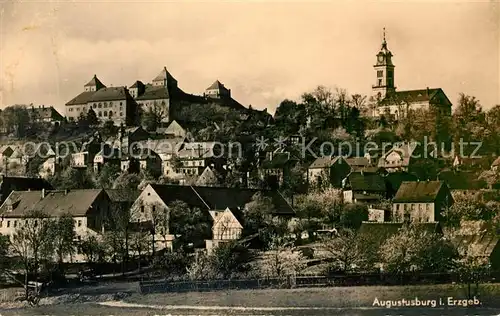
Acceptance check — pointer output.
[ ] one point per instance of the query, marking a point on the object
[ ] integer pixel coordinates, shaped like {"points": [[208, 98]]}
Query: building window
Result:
{"points": [[8, 223], [100, 114], [99, 105], [78, 109], [120, 103], [380, 73], [121, 113], [407, 217], [428, 206], [15, 223], [105, 113], [95, 105], [142, 208], [380, 82], [79, 223], [153, 209], [110, 113], [35, 223]]}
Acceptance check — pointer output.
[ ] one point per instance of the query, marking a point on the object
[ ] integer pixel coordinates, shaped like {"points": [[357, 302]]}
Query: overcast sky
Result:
{"points": [[263, 52]]}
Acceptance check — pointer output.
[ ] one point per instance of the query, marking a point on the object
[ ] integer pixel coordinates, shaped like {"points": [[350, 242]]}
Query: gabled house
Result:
{"points": [[155, 197], [45, 114], [421, 201], [166, 149], [89, 209], [174, 129], [277, 167], [328, 170], [208, 178], [225, 227], [363, 187], [399, 158], [107, 155], [85, 158], [50, 167]]}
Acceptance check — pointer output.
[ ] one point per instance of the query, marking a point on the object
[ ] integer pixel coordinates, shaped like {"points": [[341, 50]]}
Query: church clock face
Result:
{"points": [[380, 58]]}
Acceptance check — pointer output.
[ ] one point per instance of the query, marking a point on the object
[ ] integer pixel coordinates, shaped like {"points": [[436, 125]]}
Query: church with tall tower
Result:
{"points": [[390, 102]]}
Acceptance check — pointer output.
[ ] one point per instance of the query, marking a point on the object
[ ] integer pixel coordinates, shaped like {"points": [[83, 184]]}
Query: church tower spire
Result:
{"points": [[384, 70]]}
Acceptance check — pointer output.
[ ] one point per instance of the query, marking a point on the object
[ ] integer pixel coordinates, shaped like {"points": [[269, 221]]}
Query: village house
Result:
{"points": [[399, 158], [328, 171], [109, 103], [89, 209], [173, 130], [358, 163], [166, 149], [363, 187], [194, 157], [218, 199], [277, 167], [393, 181], [43, 114], [85, 158], [226, 227], [108, 155], [421, 201], [209, 177], [49, 167]]}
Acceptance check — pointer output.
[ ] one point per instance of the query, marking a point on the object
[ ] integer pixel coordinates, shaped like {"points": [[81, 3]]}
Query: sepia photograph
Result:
{"points": [[250, 157]]}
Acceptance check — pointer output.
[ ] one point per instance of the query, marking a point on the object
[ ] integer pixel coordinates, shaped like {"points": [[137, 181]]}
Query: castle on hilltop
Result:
{"points": [[397, 103], [121, 104]]}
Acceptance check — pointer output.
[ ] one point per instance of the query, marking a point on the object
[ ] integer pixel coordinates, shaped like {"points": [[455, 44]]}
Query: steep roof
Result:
{"points": [[110, 94], [55, 203], [137, 84], [45, 113], [154, 93], [481, 244], [219, 198], [82, 98], [164, 75], [422, 191], [95, 82], [366, 181], [324, 162], [217, 85], [357, 161], [122, 195], [419, 95]]}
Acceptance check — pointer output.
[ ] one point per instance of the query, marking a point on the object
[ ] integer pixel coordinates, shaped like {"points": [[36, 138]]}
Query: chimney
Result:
{"points": [[427, 91], [43, 193]]}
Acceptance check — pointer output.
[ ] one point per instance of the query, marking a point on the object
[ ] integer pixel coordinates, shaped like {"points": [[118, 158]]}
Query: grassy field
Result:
{"points": [[362, 296]]}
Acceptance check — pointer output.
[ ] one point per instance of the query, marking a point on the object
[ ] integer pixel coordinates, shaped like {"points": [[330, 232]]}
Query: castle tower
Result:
{"points": [[384, 71], [94, 84]]}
